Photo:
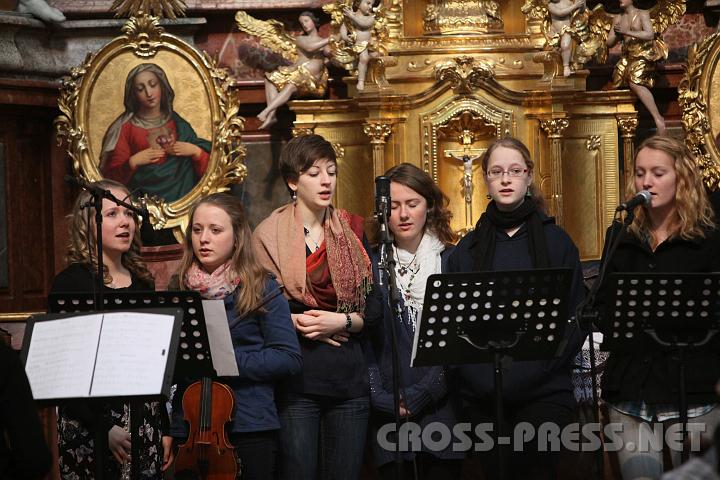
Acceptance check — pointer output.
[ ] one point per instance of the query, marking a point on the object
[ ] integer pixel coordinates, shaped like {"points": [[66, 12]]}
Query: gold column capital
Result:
{"points": [[378, 131], [300, 131], [627, 125], [554, 127]]}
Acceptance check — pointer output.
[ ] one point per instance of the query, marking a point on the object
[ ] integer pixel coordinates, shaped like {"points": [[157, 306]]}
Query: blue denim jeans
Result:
{"points": [[322, 438]]}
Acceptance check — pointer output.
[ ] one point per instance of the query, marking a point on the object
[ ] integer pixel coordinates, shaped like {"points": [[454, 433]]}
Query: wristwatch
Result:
{"points": [[348, 322]]}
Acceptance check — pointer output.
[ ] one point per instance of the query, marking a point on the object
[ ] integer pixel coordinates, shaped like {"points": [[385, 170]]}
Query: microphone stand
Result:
{"points": [[589, 315], [97, 195], [386, 269]]}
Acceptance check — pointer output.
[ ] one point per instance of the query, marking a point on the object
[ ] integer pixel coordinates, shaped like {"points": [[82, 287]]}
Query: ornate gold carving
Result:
{"points": [[554, 127], [497, 65], [160, 8], [464, 73], [593, 143], [466, 128], [501, 120], [339, 151], [377, 131], [698, 85], [627, 125], [551, 65], [450, 44], [394, 19], [462, 16], [534, 10], [300, 131], [74, 123], [144, 35]]}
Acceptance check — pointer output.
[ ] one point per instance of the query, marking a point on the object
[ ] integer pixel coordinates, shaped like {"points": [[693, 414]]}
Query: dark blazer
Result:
{"points": [[424, 389], [651, 374], [266, 349], [525, 381]]}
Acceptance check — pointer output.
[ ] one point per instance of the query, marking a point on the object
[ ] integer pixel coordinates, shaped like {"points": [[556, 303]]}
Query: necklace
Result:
{"points": [[307, 235], [405, 268]]}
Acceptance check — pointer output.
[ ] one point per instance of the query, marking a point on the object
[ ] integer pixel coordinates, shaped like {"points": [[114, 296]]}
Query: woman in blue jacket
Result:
{"points": [[515, 234], [420, 224], [219, 263]]}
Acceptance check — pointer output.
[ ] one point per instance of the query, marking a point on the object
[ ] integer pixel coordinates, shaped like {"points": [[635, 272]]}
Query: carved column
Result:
{"points": [[627, 125], [300, 131], [378, 131], [554, 128]]}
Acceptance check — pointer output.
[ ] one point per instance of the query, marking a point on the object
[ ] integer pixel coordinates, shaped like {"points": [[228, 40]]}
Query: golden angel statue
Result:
{"points": [[572, 29], [358, 31], [640, 32], [307, 75]]}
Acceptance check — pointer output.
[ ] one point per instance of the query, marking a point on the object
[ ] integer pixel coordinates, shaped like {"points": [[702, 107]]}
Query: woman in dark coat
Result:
{"points": [[422, 241], [674, 233], [514, 233]]}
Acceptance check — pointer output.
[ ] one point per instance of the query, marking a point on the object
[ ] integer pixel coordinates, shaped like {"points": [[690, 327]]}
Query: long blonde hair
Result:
{"points": [[81, 247], [693, 212], [243, 263]]}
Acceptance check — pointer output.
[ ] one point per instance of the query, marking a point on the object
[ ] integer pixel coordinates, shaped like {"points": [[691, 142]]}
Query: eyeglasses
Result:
{"points": [[494, 173]]}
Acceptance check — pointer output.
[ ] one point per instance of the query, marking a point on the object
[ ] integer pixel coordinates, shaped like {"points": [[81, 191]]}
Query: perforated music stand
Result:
{"points": [[678, 311], [193, 354], [489, 317]]}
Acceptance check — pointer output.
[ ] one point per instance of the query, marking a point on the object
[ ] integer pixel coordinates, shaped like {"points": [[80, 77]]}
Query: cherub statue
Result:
{"points": [[566, 21], [358, 32], [568, 28], [640, 32], [307, 75]]}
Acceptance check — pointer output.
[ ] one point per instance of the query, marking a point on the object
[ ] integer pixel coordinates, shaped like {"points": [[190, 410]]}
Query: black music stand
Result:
{"points": [[194, 359], [680, 312], [193, 352], [493, 317]]}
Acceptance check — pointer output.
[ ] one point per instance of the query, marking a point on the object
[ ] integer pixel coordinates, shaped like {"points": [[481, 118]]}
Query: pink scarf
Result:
{"points": [[212, 286]]}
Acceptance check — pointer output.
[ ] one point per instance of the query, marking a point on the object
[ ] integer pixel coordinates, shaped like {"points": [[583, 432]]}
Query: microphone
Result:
{"points": [[641, 198], [382, 197], [382, 215]]}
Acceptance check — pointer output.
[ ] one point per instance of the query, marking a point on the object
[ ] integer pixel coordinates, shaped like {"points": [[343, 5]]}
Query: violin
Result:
{"points": [[207, 454]]}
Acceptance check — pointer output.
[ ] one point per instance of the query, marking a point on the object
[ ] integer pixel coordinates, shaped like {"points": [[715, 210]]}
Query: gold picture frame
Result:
{"points": [[698, 90], [200, 104]]}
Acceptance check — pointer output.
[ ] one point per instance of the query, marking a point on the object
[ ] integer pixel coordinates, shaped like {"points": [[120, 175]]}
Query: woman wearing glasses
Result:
{"points": [[514, 233]]}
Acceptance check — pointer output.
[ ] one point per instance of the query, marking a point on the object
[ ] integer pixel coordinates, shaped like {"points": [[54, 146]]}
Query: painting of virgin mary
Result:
{"points": [[150, 148]]}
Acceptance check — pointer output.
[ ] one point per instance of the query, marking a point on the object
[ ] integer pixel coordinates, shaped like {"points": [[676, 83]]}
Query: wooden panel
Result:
{"points": [[27, 135]]}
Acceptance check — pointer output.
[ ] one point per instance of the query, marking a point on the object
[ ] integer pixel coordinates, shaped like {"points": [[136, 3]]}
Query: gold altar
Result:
{"points": [[439, 98]]}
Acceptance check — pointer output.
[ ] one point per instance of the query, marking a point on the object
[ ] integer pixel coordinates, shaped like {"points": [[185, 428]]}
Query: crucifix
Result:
{"points": [[467, 156]]}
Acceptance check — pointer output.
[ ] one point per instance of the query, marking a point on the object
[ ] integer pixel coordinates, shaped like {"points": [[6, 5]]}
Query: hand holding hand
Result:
{"points": [[316, 323]]}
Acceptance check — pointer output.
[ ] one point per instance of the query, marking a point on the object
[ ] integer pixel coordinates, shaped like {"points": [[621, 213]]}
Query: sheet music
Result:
{"points": [[132, 354], [218, 330], [61, 357]]}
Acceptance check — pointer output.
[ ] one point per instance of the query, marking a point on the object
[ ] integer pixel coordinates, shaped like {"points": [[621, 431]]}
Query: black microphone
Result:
{"points": [[641, 198], [382, 197], [382, 215]]}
